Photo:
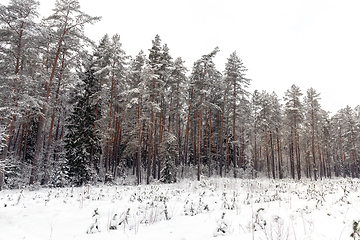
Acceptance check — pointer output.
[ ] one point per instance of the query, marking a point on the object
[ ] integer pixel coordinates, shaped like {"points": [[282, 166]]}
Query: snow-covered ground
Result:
{"points": [[210, 209]]}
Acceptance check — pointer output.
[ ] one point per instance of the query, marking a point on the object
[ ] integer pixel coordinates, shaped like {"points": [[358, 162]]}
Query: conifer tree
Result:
{"points": [[235, 76], [82, 144], [17, 66], [135, 121], [277, 120], [203, 77], [67, 24], [312, 115], [294, 117], [155, 86]]}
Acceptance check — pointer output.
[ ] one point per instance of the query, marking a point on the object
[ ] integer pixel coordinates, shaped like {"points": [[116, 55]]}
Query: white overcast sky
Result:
{"points": [[310, 43]]}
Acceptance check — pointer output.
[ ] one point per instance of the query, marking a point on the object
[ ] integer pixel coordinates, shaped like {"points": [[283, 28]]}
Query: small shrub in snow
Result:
{"points": [[167, 174], [355, 230], [127, 220], [109, 178], [114, 222], [276, 230], [225, 204], [94, 228], [259, 222], [223, 226], [344, 197], [192, 208]]}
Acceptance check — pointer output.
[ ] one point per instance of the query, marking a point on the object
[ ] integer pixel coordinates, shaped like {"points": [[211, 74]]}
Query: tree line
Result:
{"points": [[73, 116]]}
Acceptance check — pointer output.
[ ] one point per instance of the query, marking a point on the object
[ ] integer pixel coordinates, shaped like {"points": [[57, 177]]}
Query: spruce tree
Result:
{"points": [[82, 144]]}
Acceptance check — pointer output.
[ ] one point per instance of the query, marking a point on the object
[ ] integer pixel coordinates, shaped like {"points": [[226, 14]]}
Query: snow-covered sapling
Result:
{"points": [[127, 220], [189, 208], [223, 226], [94, 228], [225, 204], [344, 198], [20, 197], [114, 222], [355, 230], [165, 211], [259, 223]]}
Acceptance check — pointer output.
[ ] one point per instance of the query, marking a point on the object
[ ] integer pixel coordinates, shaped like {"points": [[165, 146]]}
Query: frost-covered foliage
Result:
{"points": [[237, 209]]}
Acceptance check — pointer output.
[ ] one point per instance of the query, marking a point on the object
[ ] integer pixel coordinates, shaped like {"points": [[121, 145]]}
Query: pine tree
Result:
{"points": [[294, 117], [265, 124], [17, 66], [169, 154], [82, 144], [203, 78], [177, 85], [277, 120], [67, 24], [235, 76], [155, 86], [135, 121], [312, 115]]}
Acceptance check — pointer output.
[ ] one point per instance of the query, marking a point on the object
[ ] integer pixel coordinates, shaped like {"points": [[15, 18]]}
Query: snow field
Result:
{"points": [[210, 209]]}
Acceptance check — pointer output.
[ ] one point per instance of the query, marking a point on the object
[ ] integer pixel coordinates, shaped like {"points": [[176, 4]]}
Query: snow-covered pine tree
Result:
{"points": [[82, 143], [294, 118], [255, 116], [134, 122], [155, 85], [177, 89], [312, 119], [169, 154], [349, 144], [17, 61], [166, 68], [66, 26], [203, 78], [265, 124], [235, 76], [276, 119]]}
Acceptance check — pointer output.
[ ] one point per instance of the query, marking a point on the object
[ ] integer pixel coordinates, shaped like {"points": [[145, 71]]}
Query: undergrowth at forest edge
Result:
{"points": [[254, 209]]}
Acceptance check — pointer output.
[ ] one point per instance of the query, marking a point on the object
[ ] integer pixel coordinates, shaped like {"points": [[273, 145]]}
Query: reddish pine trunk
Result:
{"points": [[187, 133], [33, 175], [209, 147], [267, 152]]}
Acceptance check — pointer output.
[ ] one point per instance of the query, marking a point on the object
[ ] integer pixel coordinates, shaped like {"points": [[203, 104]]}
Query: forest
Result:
{"points": [[75, 112]]}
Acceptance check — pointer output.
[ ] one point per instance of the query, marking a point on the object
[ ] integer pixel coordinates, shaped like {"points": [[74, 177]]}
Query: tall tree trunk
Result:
{"points": [[34, 172], [161, 131], [155, 150], [150, 137], [199, 138], [342, 152], [227, 163], [272, 154], [178, 128], [47, 153], [267, 152], [139, 142], [355, 158], [297, 149], [187, 133], [291, 149], [281, 176], [313, 143], [255, 152], [217, 153], [209, 147], [234, 130], [221, 130]]}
